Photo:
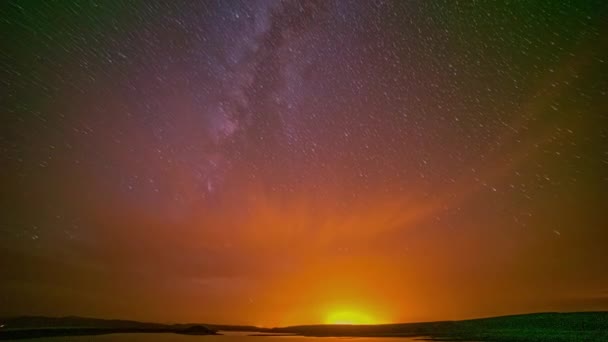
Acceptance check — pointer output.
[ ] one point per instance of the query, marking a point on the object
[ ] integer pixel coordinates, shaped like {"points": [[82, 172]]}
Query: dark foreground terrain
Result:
{"points": [[580, 326], [35, 327]]}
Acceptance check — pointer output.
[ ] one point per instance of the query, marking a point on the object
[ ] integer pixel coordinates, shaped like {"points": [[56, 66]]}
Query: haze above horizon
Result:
{"points": [[282, 162]]}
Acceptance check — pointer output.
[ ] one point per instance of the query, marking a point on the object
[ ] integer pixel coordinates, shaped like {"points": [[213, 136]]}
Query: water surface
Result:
{"points": [[227, 337]]}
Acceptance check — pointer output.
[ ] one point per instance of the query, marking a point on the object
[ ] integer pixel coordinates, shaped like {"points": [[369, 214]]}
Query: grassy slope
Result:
{"points": [[583, 326]]}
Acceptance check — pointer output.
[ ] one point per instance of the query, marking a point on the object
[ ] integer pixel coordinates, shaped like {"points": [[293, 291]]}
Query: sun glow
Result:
{"points": [[349, 317]]}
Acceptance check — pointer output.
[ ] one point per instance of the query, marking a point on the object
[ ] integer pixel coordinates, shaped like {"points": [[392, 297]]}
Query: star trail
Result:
{"points": [[265, 162]]}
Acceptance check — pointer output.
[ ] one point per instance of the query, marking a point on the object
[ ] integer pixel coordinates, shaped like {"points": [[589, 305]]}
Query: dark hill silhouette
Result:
{"points": [[578, 326], [40, 326], [197, 330]]}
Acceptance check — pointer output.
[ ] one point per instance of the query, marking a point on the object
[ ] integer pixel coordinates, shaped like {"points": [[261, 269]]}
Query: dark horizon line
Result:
{"points": [[295, 325]]}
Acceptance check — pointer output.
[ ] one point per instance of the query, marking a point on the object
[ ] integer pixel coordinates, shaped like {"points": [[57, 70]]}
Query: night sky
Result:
{"points": [[275, 162]]}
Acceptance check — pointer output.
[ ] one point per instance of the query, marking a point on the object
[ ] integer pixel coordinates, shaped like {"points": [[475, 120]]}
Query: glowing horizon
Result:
{"points": [[349, 317], [288, 162]]}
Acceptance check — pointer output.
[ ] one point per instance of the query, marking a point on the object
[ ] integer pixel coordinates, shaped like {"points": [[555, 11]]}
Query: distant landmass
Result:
{"points": [[577, 326], [38, 326]]}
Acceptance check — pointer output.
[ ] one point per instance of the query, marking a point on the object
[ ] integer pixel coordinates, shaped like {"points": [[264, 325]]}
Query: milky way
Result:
{"points": [[260, 161]]}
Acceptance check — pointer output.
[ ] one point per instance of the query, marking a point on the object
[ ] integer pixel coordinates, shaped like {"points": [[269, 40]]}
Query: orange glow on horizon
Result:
{"points": [[350, 317]]}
